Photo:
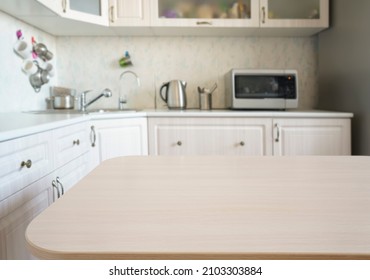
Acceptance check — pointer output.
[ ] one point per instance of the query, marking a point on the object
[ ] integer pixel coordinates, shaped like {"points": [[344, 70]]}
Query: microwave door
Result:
{"points": [[258, 87]]}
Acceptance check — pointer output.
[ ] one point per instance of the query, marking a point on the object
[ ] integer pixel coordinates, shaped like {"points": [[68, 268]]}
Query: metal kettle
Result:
{"points": [[175, 94]]}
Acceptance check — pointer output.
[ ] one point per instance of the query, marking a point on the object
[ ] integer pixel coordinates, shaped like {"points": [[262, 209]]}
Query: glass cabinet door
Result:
{"points": [[205, 12], [293, 13], [92, 7], [92, 11]]}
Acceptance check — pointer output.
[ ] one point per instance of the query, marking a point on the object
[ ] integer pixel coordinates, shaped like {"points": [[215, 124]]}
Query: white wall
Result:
{"points": [[345, 68], [16, 93], [92, 63]]}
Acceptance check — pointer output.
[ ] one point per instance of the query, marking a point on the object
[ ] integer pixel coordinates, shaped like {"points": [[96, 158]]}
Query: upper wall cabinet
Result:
{"points": [[127, 17], [240, 17], [62, 17], [308, 16], [173, 17], [91, 11], [129, 13], [216, 14]]}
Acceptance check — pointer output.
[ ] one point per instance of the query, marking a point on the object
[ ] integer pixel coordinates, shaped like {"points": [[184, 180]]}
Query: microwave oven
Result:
{"points": [[261, 89]]}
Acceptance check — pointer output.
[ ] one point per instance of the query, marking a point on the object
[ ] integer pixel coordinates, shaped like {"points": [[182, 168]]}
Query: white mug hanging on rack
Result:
{"points": [[29, 67], [23, 49]]}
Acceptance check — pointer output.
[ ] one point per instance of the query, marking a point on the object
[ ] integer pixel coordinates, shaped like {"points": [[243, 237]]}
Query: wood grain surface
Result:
{"points": [[211, 208]]}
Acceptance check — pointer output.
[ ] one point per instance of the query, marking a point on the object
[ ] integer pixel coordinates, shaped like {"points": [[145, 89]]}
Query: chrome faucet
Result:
{"points": [[132, 73], [122, 99], [84, 104]]}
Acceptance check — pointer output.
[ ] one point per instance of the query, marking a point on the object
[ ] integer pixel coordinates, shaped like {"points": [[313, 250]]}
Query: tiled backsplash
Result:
{"points": [[92, 63]]}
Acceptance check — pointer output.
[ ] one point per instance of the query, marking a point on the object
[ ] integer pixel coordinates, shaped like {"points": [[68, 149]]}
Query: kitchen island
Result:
{"points": [[211, 208]]}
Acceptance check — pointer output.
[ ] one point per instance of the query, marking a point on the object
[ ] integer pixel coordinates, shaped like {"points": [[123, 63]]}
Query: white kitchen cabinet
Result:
{"points": [[91, 11], [225, 13], [120, 137], [29, 166], [250, 136], [210, 136], [53, 5], [17, 212], [312, 137], [291, 13], [59, 18], [218, 17], [129, 13], [173, 17], [304, 17], [247, 17], [23, 161]]}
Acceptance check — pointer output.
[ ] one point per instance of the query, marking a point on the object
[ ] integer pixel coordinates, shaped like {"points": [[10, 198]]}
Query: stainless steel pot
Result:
{"points": [[36, 80], [63, 102], [42, 51]]}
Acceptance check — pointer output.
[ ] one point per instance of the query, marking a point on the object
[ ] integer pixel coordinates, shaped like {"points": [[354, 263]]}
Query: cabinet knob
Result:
{"points": [[76, 142], [242, 143], [27, 163], [179, 143]]}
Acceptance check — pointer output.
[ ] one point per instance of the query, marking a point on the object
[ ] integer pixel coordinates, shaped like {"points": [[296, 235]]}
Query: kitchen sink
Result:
{"points": [[95, 111], [103, 111], [56, 112]]}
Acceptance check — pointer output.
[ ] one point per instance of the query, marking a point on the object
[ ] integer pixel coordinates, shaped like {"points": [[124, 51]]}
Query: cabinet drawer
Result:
{"points": [[69, 143], [223, 136], [24, 161]]}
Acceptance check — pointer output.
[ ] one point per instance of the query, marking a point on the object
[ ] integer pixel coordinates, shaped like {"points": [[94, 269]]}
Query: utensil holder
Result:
{"points": [[205, 101]]}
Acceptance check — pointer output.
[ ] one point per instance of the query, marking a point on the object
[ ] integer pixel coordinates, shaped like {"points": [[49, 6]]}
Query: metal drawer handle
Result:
{"points": [[242, 143], [64, 5], [61, 185], [27, 163], [111, 14], [54, 184], [92, 136], [263, 14], [277, 138], [204, 23], [179, 143], [76, 142]]}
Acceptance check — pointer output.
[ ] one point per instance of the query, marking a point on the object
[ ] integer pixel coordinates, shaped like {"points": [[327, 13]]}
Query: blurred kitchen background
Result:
{"points": [[92, 63]]}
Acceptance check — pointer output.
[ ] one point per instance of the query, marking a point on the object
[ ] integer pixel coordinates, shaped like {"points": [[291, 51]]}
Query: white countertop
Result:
{"points": [[18, 124]]}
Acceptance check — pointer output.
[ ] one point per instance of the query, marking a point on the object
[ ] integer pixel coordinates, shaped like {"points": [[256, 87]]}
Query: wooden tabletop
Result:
{"points": [[211, 208]]}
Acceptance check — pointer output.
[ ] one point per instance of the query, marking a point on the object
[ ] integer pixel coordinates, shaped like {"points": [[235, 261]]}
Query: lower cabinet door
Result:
{"points": [[295, 137], [210, 136], [122, 137], [13, 226]]}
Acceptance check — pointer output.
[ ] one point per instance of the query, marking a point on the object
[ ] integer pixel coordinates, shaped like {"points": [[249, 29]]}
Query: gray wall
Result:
{"points": [[344, 67]]}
